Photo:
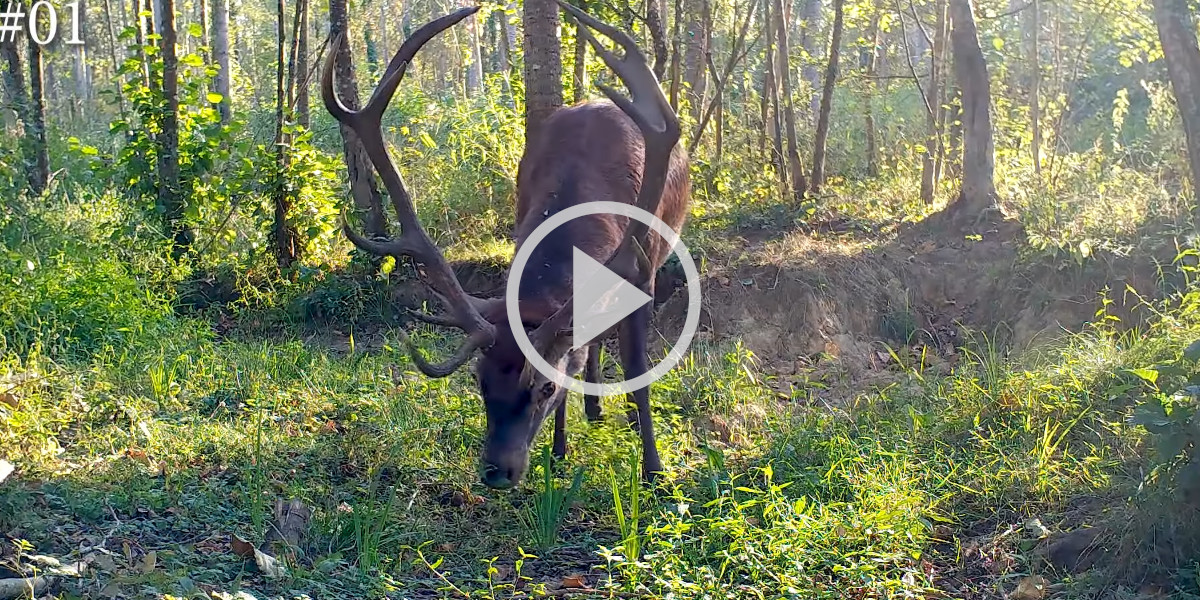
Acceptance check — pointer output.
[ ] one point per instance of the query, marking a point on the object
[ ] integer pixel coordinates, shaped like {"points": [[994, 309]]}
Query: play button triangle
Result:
{"points": [[601, 298]]}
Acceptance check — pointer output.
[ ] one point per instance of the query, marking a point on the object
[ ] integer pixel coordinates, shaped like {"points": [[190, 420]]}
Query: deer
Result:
{"points": [[623, 149]]}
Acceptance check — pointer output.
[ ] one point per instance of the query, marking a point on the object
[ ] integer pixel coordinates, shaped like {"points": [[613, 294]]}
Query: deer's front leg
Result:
{"points": [[591, 374], [634, 333], [560, 430]]}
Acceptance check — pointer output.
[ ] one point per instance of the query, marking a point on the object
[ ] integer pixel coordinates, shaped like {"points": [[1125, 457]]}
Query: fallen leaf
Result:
{"points": [[446, 547], [149, 561], [1031, 588], [9, 399], [241, 547], [6, 469], [268, 565], [573, 582]]}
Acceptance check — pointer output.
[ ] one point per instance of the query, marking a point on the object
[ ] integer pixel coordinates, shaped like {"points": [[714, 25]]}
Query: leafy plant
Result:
{"points": [[544, 516]]}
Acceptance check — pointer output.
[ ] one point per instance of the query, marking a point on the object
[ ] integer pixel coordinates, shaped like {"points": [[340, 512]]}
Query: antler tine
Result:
{"points": [[413, 241], [653, 115], [649, 107]]}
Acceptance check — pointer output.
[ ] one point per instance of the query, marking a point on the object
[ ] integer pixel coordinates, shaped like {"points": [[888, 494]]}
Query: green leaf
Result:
{"points": [[191, 60], [998, 43], [1148, 375], [1192, 352], [195, 30]]}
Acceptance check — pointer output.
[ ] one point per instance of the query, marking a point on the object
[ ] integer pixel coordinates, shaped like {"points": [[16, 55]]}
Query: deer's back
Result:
{"points": [[585, 153]]}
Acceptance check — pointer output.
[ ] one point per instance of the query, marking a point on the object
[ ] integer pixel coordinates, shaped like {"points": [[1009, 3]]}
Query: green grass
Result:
{"points": [[178, 446], [146, 433]]}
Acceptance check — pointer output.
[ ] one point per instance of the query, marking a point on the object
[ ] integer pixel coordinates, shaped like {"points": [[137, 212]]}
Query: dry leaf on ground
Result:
{"points": [[1031, 588], [573, 582], [241, 547]]}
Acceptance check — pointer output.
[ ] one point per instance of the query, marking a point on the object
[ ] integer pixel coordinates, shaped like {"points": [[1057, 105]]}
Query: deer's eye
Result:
{"points": [[547, 389]]}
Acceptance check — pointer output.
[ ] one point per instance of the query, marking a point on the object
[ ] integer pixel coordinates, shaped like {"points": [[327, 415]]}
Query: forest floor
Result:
{"points": [[866, 414]]}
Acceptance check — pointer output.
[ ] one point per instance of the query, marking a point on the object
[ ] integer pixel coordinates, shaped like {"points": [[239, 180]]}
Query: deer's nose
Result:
{"points": [[497, 477]]}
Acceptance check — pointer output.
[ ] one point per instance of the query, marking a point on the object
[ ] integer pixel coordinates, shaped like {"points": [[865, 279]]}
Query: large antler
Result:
{"points": [[649, 109], [413, 240]]}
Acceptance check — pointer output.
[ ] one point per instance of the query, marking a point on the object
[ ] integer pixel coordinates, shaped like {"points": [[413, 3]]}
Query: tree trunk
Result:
{"points": [[504, 53], [364, 189], [579, 70], [205, 33], [970, 69], [1035, 86], [301, 103], [1177, 32], [831, 74], [170, 197], [112, 46], [810, 43], [15, 97], [697, 42], [771, 113], [872, 70], [658, 36], [142, 34], [80, 72], [286, 245], [796, 171], [475, 69], [933, 104], [720, 79], [676, 51], [543, 64], [221, 54]]}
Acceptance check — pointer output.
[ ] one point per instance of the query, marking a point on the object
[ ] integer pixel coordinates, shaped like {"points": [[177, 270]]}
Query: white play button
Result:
{"points": [[601, 298]]}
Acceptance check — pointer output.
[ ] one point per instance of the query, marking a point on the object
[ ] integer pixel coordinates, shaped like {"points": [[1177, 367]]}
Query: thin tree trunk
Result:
{"points": [[116, 60], [15, 97], [142, 34], [676, 50], [224, 77], [504, 52], [170, 196], [543, 64], [363, 188], [872, 70], [205, 30], [970, 68], [796, 171], [810, 43], [831, 74], [1035, 86], [1177, 32], [695, 72], [658, 36], [934, 106], [720, 79], [475, 69], [301, 104], [286, 244], [579, 70]]}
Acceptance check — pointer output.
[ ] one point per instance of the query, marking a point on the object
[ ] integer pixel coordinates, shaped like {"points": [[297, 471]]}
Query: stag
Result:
{"points": [[621, 150]]}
